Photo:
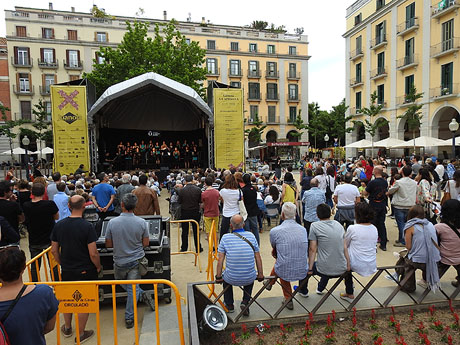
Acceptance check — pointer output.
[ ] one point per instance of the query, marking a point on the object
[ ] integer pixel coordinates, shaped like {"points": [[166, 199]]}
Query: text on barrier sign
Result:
{"points": [[77, 298]]}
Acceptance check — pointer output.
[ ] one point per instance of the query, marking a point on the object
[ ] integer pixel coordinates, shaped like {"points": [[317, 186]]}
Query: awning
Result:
{"points": [[422, 141], [290, 143], [362, 144]]}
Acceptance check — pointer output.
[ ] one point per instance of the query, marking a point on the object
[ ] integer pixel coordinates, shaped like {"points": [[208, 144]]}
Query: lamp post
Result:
{"points": [[26, 142], [326, 139], [453, 127]]}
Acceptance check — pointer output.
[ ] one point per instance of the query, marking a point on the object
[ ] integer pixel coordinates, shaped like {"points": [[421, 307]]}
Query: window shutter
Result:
{"points": [[54, 55], [55, 79], [30, 82], [30, 58], [42, 54], [95, 36], [107, 36], [52, 33], [43, 32], [384, 29], [17, 82], [78, 58], [67, 57], [15, 49], [43, 81]]}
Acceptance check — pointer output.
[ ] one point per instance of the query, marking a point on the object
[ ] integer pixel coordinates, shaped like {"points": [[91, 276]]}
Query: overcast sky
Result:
{"points": [[323, 21]]}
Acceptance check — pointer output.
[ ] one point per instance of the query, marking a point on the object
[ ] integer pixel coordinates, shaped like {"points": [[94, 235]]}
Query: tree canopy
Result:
{"points": [[168, 53]]}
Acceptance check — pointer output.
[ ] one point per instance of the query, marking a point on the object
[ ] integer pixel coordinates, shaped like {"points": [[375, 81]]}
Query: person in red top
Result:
{"points": [[369, 168], [210, 204]]}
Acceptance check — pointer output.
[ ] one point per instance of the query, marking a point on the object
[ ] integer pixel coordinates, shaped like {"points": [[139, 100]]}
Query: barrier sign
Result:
{"points": [[228, 128], [77, 298], [70, 128]]}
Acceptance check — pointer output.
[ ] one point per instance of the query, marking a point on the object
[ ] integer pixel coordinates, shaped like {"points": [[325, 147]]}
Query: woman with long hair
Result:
{"points": [[453, 186], [426, 190], [230, 195], [289, 192]]}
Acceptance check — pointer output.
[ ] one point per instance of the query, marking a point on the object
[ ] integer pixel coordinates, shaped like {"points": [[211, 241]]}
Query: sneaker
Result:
{"points": [[230, 308], [422, 283], [87, 335], [242, 306], [304, 295], [66, 332], [290, 305], [399, 244], [319, 292], [148, 299], [383, 248], [454, 283], [129, 324], [397, 241], [345, 297]]}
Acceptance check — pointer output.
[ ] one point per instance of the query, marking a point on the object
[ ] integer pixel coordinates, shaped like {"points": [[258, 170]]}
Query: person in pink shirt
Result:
{"points": [[210, 204]]}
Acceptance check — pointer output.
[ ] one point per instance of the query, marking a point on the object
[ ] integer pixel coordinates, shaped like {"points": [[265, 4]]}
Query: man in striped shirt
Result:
{"points": [[241, 253]]}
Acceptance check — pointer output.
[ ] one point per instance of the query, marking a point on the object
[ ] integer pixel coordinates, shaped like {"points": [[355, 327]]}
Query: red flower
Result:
{"points": [[244, 328], [329, 321], [392, 310], [266, 326], [354, 311], [257, 331], [310, 317], [431, 309], [456, 318], [373, 313], [333, 314], [282, 328], [451, 307], [353, 320], [449, 340], [411, 316]]}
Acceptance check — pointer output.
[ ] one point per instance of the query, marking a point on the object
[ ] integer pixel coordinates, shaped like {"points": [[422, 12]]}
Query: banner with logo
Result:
{"points": [[228, 128], [70, 128], [82, 298]]}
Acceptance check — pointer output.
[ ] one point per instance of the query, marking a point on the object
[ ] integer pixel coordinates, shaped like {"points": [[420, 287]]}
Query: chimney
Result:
{"points": [[50, 6], [203, 20], [72, 9], [165, 15]]}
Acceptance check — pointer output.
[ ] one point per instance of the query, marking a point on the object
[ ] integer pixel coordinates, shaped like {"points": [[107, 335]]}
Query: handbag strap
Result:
{"points": [[245, 239], [16, 300]]}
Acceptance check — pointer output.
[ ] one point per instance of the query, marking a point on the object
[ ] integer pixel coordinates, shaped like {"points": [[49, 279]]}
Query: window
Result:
{"points": [[22, 56], [270, 49], [380, 33], [21, 31], [49, 80], [447, 72], [211, 65], [234, 46], [292, 50], [101, 36], [293, 91], [72, 35], [235, 67], [48, 111], [73, 58], [253, 47], [292, 70], [380, 4], [271, 114], [26, 110], [272, 91], [358, 19], [24, 82], [187, 40], [211, 44], [359, 44], [448, 35], [47, 33], [410, 15], [235, 84], [358, 72], [271, 69], [254, 69], [381, 63], [409, 57], [381, 94], [99, 59], [74, 77], [408, 84], [292, 114], [254, 90], [253, 112], [358, 100], [47, 55]]}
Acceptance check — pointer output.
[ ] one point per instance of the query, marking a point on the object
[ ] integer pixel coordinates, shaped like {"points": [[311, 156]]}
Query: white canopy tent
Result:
{"points": [[16, 151], [422, 141], [388, 142], [361, 144]]}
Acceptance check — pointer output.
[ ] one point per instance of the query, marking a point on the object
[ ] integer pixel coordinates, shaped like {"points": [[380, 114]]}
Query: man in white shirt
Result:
{"points": [[345, 197], [440, 171]]}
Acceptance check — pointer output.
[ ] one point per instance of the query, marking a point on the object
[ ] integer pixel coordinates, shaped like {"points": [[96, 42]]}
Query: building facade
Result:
{"points": [[393, 45], [46, 46]]}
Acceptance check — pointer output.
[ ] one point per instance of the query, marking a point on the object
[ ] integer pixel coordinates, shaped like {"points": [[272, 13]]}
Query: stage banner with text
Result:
{"points": [[70, 128], [228, 128]]}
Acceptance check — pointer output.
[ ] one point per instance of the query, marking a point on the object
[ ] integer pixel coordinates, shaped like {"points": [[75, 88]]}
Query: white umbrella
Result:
{"points": [[33, 152], [423, 141], [16, 151], [362, 144], [388, 142], [47, 150], [448, 142]]}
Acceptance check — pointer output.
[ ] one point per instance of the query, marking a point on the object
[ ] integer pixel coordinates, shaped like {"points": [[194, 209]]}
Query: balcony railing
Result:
{"points": [[237, 73], [22, 116], [356, 81], [379, 72], [407, 62], [272, 74], [444, 7], [293, 98], [446, 47], [356, 54], [45, 91], [354, 111], [378, 42], [445, 91], [273, 120], [291, 120], [407, 26], [403, 101], [48, 65], [272, 96], [26, 63], [291, 75], [253, 96], [24, 92], [74, 66], [253, 73]]}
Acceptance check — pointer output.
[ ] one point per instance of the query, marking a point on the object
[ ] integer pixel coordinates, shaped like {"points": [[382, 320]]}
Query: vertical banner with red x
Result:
{"points": [[70, 128]]}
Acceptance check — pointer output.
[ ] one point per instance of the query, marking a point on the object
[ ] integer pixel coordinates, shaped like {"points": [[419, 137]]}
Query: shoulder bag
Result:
{"points": [[446, 195], [243, 212], [244, 239], [3, 335]]}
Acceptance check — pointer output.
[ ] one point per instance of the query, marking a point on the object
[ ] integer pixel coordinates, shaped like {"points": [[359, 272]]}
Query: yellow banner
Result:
{"points": [[228, 128], [70, 128], [77, 298]]}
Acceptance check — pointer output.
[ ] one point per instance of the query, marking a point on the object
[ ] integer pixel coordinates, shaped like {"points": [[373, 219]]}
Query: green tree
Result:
{"points": [[338, 122], [167, 53], [299, 125], [413, 115], [370, 126], [316, 126], [259, 25], [7, 128], [41, 125], [100, 13], [254, 134]]}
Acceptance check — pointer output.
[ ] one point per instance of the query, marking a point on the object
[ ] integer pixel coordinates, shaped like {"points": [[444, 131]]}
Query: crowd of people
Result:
{"points": [[331, 223]]}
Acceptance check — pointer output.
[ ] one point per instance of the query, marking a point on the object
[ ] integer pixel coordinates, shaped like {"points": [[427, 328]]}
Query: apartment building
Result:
{"points": [[392, 45], [46, 46]]}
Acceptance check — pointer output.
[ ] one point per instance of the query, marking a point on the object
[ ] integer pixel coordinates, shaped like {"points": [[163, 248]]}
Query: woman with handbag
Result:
{"points": [[426, 190], [452, 190]]}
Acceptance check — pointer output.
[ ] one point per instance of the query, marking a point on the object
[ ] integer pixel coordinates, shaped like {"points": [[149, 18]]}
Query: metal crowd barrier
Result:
{"points": [[88, 298], [49, 264], [190, 237]]}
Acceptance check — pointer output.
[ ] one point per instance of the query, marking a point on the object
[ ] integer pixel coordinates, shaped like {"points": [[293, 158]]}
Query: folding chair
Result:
{"points": [[272, 212]]}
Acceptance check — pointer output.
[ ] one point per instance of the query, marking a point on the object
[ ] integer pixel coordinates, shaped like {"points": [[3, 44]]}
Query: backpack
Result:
{"points": [[362, 175], [4, 340], [328, 188]]}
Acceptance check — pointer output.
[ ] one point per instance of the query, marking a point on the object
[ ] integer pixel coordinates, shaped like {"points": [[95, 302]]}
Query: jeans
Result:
{"points": [[224, 226], [349, 283], [329, 202], [251, 225], [185, 214], [228, 294], [322, 282], [401, 217], [36, 249], [444, 267], [379, 223], [409, 267], [129, 271]]}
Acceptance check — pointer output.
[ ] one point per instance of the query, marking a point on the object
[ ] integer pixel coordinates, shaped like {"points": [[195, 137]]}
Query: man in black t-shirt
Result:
{"points": [[9, 208], [74, 248], [40, 219], [377, 194], [249, 194]]}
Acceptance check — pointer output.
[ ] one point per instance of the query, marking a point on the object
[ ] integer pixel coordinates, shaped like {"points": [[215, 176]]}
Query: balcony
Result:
{"points": [[407, 62], [273, 120], [402, 101], [272, 74], [292, 75], [444, 92], [407, 27], [449, 46], [273, 97], [48, 65], [75, 65], [379, 41], [380, 72], [23, 92], [355, 111], [21, 116], [444, 7], [215, 72], [291, 120], [45, 91], [22, 63], [235, 74], [293, 98], [355, 82], [356, 54], [254, 73], [383, 104], [254, 96]]}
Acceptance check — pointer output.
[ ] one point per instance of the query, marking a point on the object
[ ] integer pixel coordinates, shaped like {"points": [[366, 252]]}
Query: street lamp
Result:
{"points": [[326, 139], [26, 142], [453, 127]]}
